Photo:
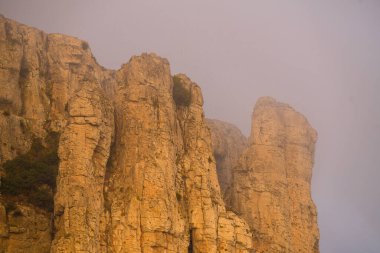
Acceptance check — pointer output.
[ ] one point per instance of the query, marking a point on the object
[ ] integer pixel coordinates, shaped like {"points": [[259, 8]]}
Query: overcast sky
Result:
{"points": [[321, 57]]}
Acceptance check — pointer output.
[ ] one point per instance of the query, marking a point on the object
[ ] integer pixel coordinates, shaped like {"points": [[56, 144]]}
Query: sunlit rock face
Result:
{"points": [[271, 184], [136, 171], [50, 84]]}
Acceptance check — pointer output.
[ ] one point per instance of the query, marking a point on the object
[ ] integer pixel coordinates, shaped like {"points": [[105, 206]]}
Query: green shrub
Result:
{"points": [[181, 96], [42, 198], [85, 45], [33, 175]]}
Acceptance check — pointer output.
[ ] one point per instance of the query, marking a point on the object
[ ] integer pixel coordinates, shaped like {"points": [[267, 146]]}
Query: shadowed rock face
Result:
{"points": [[228, 145], [271, 185], [136, 169]]}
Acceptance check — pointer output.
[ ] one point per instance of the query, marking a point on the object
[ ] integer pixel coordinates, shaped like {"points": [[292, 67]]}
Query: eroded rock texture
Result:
{"points": [[136, 170], [145, 215], [271, 187], [51, 83], [162, 191], [24, 229], [213, 228], [83, 151], [136, 166]]}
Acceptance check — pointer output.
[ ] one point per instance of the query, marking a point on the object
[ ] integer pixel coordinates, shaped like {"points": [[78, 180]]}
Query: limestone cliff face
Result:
{"points": [[51, 83], [24, 229], [213, 228], [162, 193], [136, 171], [271, 185], [83, 151], [97, 160]]}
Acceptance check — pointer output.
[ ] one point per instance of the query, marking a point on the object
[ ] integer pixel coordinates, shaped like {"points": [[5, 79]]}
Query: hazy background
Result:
{"points": [[322, 57]]}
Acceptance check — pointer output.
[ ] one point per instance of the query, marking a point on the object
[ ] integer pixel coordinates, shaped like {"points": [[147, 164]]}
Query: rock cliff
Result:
{"points": [[271, 185], [98, 160], [228, 144]]}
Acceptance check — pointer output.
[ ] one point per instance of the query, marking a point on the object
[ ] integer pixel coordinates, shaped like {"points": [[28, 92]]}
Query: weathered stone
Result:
{"points": [[271, 187], [213, 229], [136, 166], [83, 151], [27, 229]]}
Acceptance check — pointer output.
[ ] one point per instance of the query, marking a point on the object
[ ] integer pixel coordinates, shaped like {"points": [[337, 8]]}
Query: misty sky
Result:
{"points": [[321, 57]]}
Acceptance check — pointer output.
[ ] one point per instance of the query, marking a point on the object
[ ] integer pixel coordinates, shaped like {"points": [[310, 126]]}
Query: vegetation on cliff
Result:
{"points": [[181, 95], [33, 175]]}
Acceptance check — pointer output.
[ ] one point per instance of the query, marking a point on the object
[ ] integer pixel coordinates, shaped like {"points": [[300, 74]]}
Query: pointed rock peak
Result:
{"points": [[265, 100], [183, 78], [268, 109], [147, 69], [269, 101], [149, 58]]}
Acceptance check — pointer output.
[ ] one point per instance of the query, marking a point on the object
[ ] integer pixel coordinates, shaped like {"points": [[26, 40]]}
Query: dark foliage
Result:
{"points": [[85, 45], [33, 175], [181, 96], [42, 198]]}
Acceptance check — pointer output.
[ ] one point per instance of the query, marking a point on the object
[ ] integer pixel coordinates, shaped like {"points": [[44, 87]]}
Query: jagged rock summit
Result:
{"points": [[98, 160]]}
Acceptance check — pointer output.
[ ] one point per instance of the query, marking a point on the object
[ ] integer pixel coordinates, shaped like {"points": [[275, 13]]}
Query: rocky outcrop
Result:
{"points": [[137, 164], [51, 83], [23, 228], [271, 187], [144, 213], [136, 170], [228, 144], [162, 183], [83, 151], [213, 228]]}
